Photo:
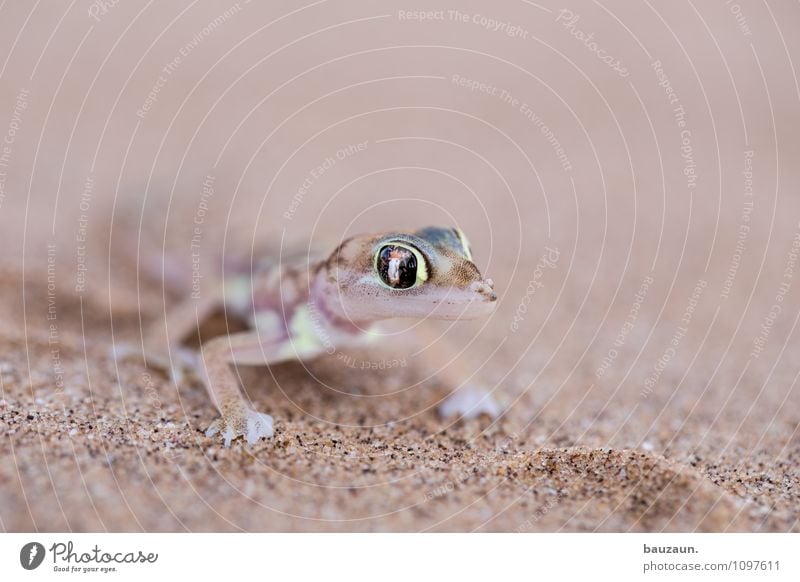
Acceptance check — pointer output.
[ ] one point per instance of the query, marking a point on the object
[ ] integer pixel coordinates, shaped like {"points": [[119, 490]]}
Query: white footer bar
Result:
{"points": [[353, 557]]}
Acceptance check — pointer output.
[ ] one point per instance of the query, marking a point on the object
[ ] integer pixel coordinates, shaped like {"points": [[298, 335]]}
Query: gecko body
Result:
{"points": [[302, 310]]}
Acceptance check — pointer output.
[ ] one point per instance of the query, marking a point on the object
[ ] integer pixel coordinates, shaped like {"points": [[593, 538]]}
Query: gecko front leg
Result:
{"points": [[470, 397], [237, 416]]}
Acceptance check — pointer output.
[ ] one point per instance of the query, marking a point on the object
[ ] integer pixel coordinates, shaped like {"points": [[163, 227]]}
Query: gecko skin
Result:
{"points": [[298, 311]]}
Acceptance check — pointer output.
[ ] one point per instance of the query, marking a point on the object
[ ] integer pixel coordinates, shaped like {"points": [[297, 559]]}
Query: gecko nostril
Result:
{"points": [[485, 289], [480, 287]]}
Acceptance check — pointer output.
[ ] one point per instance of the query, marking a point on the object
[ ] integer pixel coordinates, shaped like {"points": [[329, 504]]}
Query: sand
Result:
{"points": [[644, 348]]}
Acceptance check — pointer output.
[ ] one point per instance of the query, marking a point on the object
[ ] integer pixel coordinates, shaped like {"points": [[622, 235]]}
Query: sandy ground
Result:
{"points": [[639, 217]]}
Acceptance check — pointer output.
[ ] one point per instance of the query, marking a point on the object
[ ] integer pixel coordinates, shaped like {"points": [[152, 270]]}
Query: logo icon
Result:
{"points": [[31, 555]]}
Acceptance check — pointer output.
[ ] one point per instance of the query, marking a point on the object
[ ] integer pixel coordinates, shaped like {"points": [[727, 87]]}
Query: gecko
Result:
{"points": [[297, 310]]}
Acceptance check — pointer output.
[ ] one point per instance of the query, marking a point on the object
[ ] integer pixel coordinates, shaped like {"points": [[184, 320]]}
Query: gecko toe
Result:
{"points": [[229, 435], [259, 426], [212, 429], [469, 402]]}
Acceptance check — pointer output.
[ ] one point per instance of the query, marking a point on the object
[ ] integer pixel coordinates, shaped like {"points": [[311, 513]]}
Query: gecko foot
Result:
{"points": [[246, 423], [469, 402]]}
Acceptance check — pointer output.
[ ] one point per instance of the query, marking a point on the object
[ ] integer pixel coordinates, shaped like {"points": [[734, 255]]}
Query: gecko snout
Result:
{"points": [[485, 288]]}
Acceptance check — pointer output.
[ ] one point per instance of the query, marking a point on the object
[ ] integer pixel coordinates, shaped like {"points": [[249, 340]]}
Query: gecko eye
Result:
{"points": [[400, 266]]}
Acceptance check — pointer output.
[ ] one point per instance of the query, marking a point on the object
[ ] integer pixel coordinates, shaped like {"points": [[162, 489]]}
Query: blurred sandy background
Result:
{"points": [[627, 173]]}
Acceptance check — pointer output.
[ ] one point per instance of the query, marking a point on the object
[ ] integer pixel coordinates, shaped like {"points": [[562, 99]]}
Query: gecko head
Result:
{"points": [[428, 273]]}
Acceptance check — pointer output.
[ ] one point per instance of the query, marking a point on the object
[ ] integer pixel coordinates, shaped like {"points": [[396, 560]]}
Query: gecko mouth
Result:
{"points": [[478, 300]]}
